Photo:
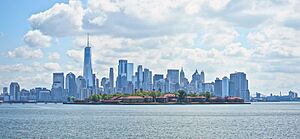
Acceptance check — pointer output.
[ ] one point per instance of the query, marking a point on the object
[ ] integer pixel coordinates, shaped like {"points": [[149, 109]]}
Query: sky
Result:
{"points": [[260, 38]]}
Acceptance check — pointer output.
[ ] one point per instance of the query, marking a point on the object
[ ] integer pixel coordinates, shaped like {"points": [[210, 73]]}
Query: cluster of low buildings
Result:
{"points": [[292, 96]]}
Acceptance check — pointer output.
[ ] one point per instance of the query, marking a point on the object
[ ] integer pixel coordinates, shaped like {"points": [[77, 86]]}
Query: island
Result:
{"points": [[156, 98]]}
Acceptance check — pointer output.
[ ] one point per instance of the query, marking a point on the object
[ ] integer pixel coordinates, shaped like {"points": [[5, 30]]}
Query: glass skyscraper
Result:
{"points": [[122, 76], [173, 78], [58, 86], [173, 75], [71, 85], [14, 91], [87, 66], [129, 72], [111, 80], [238, 85], [225, 87], [139, 77]]}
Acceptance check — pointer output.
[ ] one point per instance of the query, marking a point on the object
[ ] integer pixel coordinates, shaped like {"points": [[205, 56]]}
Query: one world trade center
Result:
{"points": [[87, 67]]}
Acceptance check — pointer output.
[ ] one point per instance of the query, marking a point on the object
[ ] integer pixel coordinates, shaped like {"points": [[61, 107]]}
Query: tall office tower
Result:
{"points": [[167, 87], [156, 81], [130, 83], [195, 83], [122, 76], [81, 88], [106, 85], [87, 65], [238, 85], [225, 87], [129, 72], [97, 83], [183, 81], [122, 68], [139, 77], [58, 87], [218, 87], [14, 91], [147, 80], [5, 91], [111, 80], [182, 76], [207, 87], [173, 77], [71, 85], [202, 75], [94, 81], [134, 81]]}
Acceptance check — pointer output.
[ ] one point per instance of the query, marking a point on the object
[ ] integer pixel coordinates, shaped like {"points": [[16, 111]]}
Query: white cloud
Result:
{"points": [[50, 66], [60, 20], [34, 38], [54, 56], [25, 52], [218, 34], [16, 68], [76, 55], [275, 41]]}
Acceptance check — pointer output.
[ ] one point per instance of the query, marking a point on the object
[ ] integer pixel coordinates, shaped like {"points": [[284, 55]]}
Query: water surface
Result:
{"points": [[258, 120]]}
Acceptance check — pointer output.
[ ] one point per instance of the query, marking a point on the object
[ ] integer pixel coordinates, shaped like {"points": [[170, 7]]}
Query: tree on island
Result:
{"points": [[181, 96], [207, 95], [95, 97], [71, 98], [154, 95]]}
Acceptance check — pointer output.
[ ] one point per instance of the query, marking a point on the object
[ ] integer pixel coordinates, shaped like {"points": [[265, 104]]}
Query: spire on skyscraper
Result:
{"points": [[88, 40]]}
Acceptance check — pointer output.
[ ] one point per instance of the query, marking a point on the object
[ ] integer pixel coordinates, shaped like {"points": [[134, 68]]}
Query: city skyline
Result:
{"points": [[69, 87], [36, 43]]}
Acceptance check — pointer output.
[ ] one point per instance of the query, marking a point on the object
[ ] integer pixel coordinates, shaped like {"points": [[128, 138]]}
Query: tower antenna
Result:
{"points": [[88, 39]]}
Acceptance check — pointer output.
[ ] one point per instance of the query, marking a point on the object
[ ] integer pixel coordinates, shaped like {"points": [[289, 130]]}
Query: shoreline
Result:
{"points": [[206, 103]]}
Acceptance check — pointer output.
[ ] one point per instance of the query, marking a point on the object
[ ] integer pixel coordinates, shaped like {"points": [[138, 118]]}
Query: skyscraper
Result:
{"points": [[71, 85], [225, 87], [139, 77], [5, 91], [182, 76], [94, 81], [122, 76], [218, 87], [202, 77], [147, 80], [129, 72], [238, 85], [183, 81], [122, 68], [173, 75], [157, 82], [81, 88], [173, 78], [87, 65], [106, 85], [14, 91], [58, 87], [111, 80], [157, 77], [196, 82]]}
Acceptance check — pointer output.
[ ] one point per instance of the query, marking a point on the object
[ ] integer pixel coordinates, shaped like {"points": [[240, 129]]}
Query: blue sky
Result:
{"points": [[260, 38]]}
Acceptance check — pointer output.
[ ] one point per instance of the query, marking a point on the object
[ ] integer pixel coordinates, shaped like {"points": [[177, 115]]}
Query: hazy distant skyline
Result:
{"points": [[260, 38]]}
